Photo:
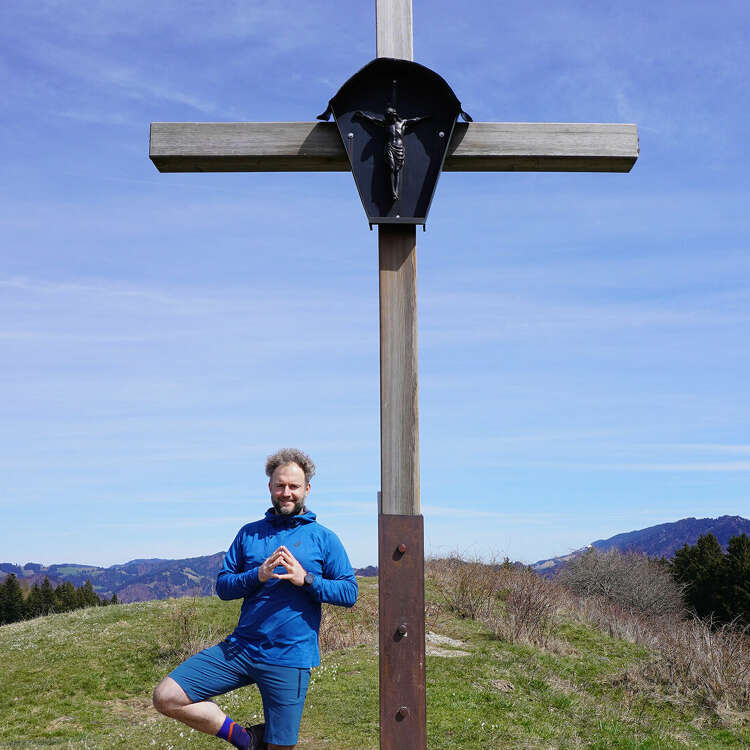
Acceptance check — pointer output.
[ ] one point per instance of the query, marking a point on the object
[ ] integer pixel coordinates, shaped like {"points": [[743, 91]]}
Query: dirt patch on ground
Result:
{"points": [[442, 640], [68, 722], [133, 710], [563, 686], [434, 643], [504, 686], [449, 652]]}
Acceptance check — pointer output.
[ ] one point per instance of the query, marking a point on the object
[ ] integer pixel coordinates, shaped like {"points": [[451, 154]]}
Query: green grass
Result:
{"points": [[82, 680]]}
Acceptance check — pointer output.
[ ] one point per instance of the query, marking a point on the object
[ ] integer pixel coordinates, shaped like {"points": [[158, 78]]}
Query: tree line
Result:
{"points": [[716, 584], [15, 604]]}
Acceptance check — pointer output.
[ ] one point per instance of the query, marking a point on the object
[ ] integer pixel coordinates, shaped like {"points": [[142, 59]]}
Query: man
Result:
{"points": [[283, 567]]}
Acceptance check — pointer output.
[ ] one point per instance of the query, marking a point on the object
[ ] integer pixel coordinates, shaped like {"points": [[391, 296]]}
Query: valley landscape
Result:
{"points": [[144, 580]]}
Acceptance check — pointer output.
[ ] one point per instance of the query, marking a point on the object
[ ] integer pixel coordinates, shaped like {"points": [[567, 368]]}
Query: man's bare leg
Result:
{"points": [[171, 700], [205, 716]]}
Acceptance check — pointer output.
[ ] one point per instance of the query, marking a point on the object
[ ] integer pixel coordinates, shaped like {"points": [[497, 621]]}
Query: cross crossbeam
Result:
{"points": [[317, 147]]}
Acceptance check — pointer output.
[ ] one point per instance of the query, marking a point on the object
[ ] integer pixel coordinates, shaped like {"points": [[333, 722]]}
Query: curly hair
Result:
{"points": [[290, 456]]}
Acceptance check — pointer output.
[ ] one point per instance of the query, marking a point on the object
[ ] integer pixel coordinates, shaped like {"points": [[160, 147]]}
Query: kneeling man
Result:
{"points": [[283, 567]]}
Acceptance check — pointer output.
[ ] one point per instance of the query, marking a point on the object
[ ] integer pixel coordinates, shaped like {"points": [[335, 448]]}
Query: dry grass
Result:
{"points": [[689, 658], [514, 603], [712, 662], [185, 634], [344, 628]]}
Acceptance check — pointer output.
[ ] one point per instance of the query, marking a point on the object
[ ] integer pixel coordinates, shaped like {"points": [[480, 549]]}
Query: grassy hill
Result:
{"points": [[83, 680]]}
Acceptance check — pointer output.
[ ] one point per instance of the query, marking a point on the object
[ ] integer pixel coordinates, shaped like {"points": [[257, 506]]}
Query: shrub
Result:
{"points": [[512, 601], [469, 587], [632, 580], [530, 606]]}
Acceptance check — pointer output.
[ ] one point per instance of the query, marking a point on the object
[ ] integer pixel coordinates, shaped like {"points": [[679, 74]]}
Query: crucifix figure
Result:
{"points": [[474, 147], [395, 151]]}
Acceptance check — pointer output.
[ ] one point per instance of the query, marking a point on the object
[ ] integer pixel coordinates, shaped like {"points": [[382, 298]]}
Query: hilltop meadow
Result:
{"points": [[513, 661]]}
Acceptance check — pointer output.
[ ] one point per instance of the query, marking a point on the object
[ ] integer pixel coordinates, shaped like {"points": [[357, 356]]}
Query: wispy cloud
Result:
{"points": [[131, 82], [535, 518], [637, 467], [109, 311], [194, 522], [702, 447]]}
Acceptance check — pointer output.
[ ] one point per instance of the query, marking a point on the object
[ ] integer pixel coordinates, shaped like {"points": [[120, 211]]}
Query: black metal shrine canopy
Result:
{"points": [[396, 119]]}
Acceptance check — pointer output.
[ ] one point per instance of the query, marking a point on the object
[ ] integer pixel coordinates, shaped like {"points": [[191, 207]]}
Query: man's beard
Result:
{"points": [[286, 511]]}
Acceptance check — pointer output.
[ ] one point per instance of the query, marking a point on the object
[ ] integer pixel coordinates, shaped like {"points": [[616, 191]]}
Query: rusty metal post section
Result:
{"points": [[403, 716]]}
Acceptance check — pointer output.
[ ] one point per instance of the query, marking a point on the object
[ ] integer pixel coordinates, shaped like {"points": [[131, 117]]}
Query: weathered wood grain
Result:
{"points": [[542, 147], [393, 24], [399, 408], [316, 147]]}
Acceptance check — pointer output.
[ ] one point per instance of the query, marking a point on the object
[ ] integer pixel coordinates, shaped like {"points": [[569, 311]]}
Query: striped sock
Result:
{"points": [[235, 734]]}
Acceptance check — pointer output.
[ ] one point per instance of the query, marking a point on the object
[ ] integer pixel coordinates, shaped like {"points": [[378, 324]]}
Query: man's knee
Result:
{"points": [[169, 696]]}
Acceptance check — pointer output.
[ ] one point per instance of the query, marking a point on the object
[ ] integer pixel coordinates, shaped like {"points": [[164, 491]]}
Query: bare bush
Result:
{"points": [[530, 606], [468, 587], [632, 580], [614, 619], [343, 628], [513, 602]]}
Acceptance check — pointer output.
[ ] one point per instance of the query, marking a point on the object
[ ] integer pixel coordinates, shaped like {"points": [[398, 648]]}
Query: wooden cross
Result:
{"points": [[475, 147]]}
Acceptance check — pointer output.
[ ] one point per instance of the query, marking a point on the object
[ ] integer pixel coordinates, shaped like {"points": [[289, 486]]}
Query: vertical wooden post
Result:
{"points": [[397, 250], [394, 29], [399, 409]]}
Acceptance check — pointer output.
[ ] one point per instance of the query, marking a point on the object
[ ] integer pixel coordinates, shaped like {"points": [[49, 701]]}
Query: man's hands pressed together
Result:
{"points": [[295, 573]]}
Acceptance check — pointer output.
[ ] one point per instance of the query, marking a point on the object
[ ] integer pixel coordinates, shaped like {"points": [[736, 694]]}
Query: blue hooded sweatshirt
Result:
{"points": [[279, 621]]}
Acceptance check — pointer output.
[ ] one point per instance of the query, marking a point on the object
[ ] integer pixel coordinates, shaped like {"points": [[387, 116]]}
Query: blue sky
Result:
{"points": [[583, 337]]}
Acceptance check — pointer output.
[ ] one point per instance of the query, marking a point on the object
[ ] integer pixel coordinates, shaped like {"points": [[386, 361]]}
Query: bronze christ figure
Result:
{"points": [[395, 151]]}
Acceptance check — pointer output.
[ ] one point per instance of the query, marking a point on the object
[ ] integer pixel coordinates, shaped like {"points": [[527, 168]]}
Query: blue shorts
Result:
{"points": [[225, 667]]}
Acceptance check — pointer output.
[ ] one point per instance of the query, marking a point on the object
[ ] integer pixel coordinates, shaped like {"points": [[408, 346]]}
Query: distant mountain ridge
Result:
{"points": [[157, 578], [138, 580], [662, 540]]}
